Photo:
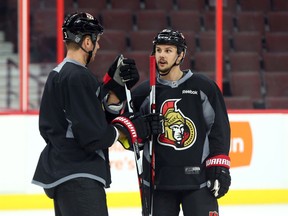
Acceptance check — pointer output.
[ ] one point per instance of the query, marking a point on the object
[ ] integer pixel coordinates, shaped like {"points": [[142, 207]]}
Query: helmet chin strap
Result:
{"points": [[89, 53], [167, 72]]}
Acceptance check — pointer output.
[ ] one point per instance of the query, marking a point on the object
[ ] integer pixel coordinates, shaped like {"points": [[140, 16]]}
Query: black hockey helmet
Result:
{"points": [[80, 24], [169, 36]]}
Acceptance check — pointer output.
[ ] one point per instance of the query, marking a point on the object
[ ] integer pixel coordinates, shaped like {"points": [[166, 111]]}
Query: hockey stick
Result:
{"points": [[134, 138], [146, 195], [136, 149], [152, 110], [148, 159], [138, 159]]}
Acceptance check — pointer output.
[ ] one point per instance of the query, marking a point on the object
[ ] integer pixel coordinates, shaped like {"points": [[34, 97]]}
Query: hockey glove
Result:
{"points": [[122, 70], [218, 175], [138, 127]]}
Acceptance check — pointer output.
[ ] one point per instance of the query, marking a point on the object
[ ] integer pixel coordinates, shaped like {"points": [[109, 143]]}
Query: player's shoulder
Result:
{"points": [[76, 74], [140, 93], [201, 77], [142, 89], [203, 82]]}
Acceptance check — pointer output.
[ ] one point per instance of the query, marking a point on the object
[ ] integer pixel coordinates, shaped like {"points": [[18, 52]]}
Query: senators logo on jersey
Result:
{"points": [[179, 131]]}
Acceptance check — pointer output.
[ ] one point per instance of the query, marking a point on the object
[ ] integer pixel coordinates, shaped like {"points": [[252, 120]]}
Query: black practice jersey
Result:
{"points": [[74, 125], [195, 127]]}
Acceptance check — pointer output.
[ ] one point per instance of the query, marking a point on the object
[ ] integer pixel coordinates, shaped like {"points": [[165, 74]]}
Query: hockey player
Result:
{"points": [[74, 120], [191, 153]]}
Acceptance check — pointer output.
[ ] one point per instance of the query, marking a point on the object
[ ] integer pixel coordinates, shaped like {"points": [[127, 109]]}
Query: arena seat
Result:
{"points": [[204, 61], [250, 5], [207, 41], [247, 41], [44, 4], [228, 5], [277, 102], [166, 5], [244, 61], [94, 12], [95, 5], [113, 40], [209, 21], [185, 20], [277, 21], [279, 5], [276, 42], [102, 62], [141, 40], [133, 5], [34, 4], [151, 20], [250, 21], [275, 62], [238, 102], [193, 5], [276, 84], [44, 22], [190, 38], [117, 19], [246, 84], [187, 63]]}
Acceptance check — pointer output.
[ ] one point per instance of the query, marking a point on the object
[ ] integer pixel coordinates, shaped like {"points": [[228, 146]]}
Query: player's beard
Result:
{"points": [[164, 71]]}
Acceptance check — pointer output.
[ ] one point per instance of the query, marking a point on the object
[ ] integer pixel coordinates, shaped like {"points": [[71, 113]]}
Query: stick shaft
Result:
{"points": [[128, 96], [152, 110], [152, 83]]}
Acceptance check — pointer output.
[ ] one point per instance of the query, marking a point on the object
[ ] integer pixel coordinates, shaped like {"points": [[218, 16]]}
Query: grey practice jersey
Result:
{"points": [[74, 125], [196, 127]]}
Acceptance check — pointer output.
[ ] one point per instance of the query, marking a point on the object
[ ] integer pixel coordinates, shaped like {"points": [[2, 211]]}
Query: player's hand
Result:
{"points": [[120, 72], [139, 127], [218, 175], [129, 72]]}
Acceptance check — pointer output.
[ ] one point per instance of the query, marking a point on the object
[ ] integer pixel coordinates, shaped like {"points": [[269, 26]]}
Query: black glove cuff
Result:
{"points": [[118, 90]]}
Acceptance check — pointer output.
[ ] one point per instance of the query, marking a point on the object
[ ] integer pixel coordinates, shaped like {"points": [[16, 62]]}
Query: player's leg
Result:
{"points": [[166, 203], [57, 209], [81, 196], [50, 192], [199, 202]]}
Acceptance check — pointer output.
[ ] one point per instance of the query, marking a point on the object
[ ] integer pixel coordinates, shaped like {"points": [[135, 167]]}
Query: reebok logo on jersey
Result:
{"points": [[193, 92]]}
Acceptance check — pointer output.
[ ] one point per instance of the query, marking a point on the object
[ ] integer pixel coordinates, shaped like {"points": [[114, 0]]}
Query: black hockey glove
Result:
{"points": [[122, 70], [218, 175], [138, 127]]}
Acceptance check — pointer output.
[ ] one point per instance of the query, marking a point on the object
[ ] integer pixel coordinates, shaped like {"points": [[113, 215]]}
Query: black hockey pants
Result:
{"points": [[193, 203]]}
